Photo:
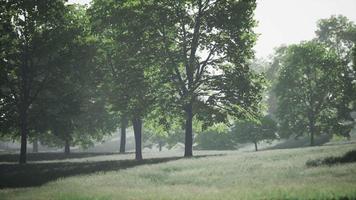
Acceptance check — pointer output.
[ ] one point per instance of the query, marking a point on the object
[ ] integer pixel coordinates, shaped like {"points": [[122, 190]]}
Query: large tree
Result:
{"points": [[128, 59], [197, 49], [307, 89], [70, 109], [206, 45], [29, 48], [339, 33], [81, 114]]}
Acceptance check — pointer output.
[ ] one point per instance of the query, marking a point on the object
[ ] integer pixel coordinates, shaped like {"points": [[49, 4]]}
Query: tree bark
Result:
{"points": [[35, 145], [67, 147], [188, 148], [123, 135], [311, 128], [255, 146], [24, 98], [312, 131], [137, 125], [24, 134]]}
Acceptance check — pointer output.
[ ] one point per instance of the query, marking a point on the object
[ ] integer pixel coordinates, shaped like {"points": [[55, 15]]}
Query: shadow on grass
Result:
{"points": [[36, 174], [346, 158], [51, 156]]}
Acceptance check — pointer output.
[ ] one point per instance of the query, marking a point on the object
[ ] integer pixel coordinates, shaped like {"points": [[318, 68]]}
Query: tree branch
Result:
{"points": [[194, 45]]}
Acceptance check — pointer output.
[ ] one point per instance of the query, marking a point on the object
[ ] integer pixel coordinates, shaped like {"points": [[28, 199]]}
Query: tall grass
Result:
{"points": [[273, 174]]}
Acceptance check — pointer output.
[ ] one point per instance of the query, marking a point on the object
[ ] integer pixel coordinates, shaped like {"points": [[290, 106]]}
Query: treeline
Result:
{"points": [[311, 91], [72, 74]]}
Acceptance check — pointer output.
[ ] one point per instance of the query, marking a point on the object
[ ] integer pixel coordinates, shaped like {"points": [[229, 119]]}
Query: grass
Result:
{"points": [[272, 174]]}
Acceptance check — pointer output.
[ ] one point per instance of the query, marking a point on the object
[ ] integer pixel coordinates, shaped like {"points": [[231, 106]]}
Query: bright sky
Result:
{"points": [[290, 21]]}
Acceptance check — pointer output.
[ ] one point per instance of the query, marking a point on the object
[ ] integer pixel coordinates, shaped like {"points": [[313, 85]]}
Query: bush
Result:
{"points": [[346, 158]]}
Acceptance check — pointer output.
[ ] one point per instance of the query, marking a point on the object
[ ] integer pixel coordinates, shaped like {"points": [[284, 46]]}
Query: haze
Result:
{"points": [[290, 21]]}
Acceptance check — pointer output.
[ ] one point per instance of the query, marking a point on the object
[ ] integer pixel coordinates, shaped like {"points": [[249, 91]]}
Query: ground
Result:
{"points": [[269, 174]]}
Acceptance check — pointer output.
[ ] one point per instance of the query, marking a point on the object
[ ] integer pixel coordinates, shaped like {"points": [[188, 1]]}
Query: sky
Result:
{"points": [[290, 21]]}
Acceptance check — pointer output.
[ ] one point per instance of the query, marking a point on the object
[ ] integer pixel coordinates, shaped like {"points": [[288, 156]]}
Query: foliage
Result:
{"points": [[163, 128], [127, 56], [73, 106], [216, 137], [30, 47], [306, 93], [129, 68], [339, 33], [205, 45], [254, 131], [272, 75], [50, 82], [164, 56]]}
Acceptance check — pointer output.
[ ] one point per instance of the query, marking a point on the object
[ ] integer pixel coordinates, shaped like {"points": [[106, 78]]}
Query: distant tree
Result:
{"points": [[307, 89], [272, 74], [255, 131], [339, 33], [163, 127], [216, 137]]}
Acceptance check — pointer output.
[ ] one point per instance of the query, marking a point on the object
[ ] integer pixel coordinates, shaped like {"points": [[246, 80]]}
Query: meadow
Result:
{"points": [[269, 174]]}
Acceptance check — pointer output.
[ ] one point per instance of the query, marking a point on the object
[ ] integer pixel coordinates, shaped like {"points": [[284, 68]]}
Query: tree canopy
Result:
{"points": [[177, 71], [306, 92]]}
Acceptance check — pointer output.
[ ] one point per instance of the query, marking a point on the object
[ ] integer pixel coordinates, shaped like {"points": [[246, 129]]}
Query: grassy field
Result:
{"points": [[272, 174]]}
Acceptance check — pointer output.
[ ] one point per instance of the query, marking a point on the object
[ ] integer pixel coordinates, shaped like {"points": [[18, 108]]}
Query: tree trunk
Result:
{"points": [[67, 147], [137, 125], [255, 146], [24, 134], [160, 146], [24, 98], [311, 129], [123, 135], [188, 148], [35, 145]]}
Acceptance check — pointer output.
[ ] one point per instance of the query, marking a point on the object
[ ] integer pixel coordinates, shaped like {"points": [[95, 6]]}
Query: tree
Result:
{"points": [[73, 106], [339, 34], [29, 44], [255, 131], [216, 137], [305, 92], [128, 58], [205, 45], [191, 45]]}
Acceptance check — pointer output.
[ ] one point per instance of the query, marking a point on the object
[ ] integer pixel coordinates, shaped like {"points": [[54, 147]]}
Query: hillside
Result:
{"points": [[270, 174]]}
